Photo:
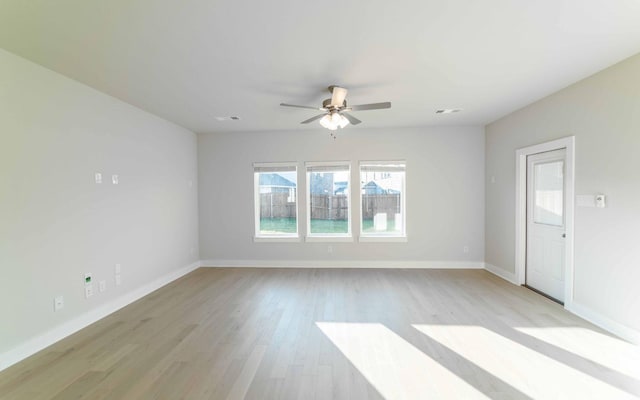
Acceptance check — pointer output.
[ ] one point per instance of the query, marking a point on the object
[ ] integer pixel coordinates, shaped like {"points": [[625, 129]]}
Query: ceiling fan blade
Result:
{"points": [[306, 121], [352, 120], [296, 106], [338, 94], [372, 106]]}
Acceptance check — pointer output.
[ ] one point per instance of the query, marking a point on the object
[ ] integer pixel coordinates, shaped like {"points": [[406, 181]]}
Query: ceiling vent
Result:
{"points": [[448, 110], [233, 118]]}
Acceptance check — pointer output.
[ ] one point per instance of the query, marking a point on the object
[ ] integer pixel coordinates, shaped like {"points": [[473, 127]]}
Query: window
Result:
{"points": [[549, 191], [328, 214], [276, 207], [382, 193]]}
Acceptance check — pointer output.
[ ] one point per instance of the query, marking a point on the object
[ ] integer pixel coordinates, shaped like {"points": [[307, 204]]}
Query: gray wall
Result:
{"points": [[56, 223], [445, 191], [603, 112]]}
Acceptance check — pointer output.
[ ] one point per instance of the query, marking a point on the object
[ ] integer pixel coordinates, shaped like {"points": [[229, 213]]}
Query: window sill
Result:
{"points": [[276, 239], [383, 239], [329, 239]]}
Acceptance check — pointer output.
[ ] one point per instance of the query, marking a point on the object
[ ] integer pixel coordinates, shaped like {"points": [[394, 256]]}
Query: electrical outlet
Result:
{"points": [[103, 286], [98, 177], [88, 291], [118, 280], [118, 269], [58, 303]]}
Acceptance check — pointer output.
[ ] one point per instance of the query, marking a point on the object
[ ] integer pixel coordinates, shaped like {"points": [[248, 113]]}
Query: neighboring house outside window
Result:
{"points": [[328, 201], [382, 199]]}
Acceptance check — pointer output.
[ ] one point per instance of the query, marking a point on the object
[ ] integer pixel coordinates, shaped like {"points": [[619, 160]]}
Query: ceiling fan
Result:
{"points": [[335, 109]]}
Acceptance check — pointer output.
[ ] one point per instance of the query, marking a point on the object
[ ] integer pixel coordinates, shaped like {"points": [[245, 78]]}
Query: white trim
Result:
{"points": [[384, 162], [328, 238], [604, 322], [336, 163], [403, 264], [275, 164], [567, 143], [382, 239], [52, 336], [501, 273], [276, 239]]}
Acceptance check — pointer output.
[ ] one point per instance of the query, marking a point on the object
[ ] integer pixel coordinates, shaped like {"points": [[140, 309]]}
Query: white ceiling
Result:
{"points": [[192, 60]]}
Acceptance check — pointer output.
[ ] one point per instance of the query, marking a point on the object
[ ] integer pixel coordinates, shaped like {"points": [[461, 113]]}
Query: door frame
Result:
{"points": [[567, 143]]}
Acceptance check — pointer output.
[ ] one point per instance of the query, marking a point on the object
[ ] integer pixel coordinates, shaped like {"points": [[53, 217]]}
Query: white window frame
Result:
{"points": [[273, 237], [328, 237], [384, 236]]}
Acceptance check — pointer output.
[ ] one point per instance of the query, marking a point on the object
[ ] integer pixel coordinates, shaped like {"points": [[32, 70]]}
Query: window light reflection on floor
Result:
{"points": [[396, 369], [601, 348], [524, 368]]}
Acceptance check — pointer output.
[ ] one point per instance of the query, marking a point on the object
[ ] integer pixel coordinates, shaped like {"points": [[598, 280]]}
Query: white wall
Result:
{"points": [[445, 193], [603, 112], [56, 223]]}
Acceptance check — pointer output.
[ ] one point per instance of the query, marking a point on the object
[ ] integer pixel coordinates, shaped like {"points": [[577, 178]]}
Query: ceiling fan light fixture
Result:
{"points": [[343, 121], [333, 121], [335, 118], [326, 122]]}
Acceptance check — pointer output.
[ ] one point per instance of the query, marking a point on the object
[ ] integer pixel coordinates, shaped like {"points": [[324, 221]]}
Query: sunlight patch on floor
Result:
{"points": [[527, 370], [393, 366], [605, 350]]}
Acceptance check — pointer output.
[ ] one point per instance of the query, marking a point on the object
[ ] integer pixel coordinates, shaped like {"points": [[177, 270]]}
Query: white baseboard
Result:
{"points": [[343, 264], [622, 331], [506, 275], [50, 337], [581, 311]]}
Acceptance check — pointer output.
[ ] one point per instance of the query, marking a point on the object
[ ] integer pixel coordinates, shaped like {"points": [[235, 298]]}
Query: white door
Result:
{"points": [[546, 223]]}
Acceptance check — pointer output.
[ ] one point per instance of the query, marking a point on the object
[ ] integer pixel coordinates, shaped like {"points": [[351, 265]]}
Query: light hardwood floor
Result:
{"points": [[333, 333]]}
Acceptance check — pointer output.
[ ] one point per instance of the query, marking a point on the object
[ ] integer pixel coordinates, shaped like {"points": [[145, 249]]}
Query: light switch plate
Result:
{"points": [[118, 269], [118, 280], [98, 177], [114, 179], [103, 286]]}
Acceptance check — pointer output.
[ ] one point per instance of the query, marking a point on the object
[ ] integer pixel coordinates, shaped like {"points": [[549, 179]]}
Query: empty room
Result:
{"points": [[217, 199]]}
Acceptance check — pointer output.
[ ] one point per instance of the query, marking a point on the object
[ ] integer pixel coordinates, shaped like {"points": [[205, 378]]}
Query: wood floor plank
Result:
{"points": [[241, 385], [333, 334]]}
